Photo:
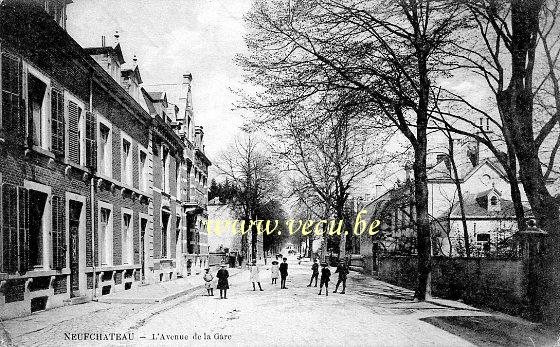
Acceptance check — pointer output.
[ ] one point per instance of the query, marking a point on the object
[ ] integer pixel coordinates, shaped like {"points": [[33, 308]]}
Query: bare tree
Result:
{"points": [[250, 171], [384, 53]]}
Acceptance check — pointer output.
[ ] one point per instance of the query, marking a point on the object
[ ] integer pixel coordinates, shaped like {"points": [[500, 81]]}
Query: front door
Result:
{"points": [[74, 224], [143, 224]]}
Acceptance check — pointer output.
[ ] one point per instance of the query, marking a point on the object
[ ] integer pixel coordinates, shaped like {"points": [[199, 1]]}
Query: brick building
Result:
{"points": [[90, 203]]}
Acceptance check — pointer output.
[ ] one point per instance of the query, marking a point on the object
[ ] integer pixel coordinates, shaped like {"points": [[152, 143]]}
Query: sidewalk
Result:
{"points": [[115, 312]]}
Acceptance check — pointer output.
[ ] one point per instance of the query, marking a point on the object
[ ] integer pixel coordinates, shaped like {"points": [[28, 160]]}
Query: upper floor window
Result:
{"points": [[105, 150], [38, 102], [143, 179], [126, 162], [76, 131], [165, 170], [177, 179]]}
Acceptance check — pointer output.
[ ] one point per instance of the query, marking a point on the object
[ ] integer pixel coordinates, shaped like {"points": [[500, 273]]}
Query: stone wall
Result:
{"points": [[498, 284]]}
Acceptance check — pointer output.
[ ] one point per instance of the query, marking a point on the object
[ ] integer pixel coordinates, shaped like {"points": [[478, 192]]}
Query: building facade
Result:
{"points": [[91, 180]]}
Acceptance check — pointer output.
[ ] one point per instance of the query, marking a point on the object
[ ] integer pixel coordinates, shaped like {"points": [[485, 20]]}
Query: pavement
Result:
{"points": [[371, 313]]}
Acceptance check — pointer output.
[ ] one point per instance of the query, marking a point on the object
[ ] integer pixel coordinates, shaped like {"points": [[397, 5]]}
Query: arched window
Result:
{"points": [[493, 201]]}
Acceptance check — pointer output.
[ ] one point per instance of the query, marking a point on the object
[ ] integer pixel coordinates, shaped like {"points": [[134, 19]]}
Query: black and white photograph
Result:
{"points": [[280, 173]]}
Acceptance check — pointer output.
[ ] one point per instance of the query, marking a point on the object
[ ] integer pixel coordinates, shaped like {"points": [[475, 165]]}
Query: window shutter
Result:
{"points": [[73, 132], [91, 140], [12, 95], [57, 122], [23, 196], [9, 229], [58, 233]]}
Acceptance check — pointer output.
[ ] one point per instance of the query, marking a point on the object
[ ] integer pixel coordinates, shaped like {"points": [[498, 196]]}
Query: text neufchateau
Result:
{"points": [[306, 227]]}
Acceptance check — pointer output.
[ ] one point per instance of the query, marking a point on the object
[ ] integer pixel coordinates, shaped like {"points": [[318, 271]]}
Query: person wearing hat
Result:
{"points": [[208, 279], [255, 275], [283, 273], [275, 272], [223, 284], [343, 272], [315, 274], [325, 277]]}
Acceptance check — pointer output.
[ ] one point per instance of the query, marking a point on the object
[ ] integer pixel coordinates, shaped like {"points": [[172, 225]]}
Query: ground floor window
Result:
{"points": [[164, 232], [106, 236]]}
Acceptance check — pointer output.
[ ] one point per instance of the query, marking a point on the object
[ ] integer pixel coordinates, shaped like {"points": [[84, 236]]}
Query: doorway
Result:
{"points": [[143, 225], [74, 213]]}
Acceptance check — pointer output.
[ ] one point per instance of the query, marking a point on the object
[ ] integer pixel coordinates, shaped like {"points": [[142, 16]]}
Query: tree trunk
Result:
{"points": [[460, 196], [424, 244]]}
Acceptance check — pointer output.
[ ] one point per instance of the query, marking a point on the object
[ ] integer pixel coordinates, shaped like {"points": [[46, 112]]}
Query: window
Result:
{"points": [[164, 170], [37, 226], [126, 163], [179, 244], [12, 121], [177, 180], [493, 201], [128, 250], [37, 110], [105, 236], [57, 123], [483, 237], [143, 179], [104, 148], [164, 233], [76, 132]]}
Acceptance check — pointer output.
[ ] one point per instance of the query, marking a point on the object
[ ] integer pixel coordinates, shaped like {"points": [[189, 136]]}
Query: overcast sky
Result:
{"points": [[169, 38]]}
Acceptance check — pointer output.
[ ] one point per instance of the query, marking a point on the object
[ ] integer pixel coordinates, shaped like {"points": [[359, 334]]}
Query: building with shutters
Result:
{"points": [[74, 176], [103, 185], [180, 190]]}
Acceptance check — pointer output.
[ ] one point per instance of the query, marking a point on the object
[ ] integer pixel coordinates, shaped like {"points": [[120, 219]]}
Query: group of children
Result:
{"points": [[282, 272]]}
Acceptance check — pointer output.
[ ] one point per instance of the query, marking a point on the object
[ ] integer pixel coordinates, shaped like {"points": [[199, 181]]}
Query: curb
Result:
{"points": [[169, 297], [5, 340], [137, 322]]}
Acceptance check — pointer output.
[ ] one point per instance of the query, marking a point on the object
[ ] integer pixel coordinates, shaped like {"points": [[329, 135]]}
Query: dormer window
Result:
{"points": [[493, 201], [484, 123]]}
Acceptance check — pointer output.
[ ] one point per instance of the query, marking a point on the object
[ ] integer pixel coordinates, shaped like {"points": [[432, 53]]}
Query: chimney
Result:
{"points": [[185, 85], [117, 37], [103, 43]]}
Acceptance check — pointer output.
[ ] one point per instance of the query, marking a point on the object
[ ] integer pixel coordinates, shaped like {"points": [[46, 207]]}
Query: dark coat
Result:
{"points": [[315, 268], [223, 275], [325, 275], [342, 271], [284, 269]]}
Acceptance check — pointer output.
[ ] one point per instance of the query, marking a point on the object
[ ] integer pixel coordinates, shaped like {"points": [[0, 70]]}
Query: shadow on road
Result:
{"points": [[494, 331]]}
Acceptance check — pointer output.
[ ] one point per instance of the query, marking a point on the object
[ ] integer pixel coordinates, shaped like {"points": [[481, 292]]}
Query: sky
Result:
{"points": [[169, 38]]}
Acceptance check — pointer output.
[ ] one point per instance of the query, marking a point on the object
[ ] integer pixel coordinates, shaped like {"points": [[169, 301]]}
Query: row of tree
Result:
{"points": [[327, 69]]}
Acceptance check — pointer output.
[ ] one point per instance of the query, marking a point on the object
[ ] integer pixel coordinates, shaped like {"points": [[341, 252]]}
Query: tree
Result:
{"points": [[253, 178], [385, 54]]}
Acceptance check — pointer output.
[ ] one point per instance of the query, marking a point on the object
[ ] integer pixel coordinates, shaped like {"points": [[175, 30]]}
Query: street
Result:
{"points": [[370, 313]]}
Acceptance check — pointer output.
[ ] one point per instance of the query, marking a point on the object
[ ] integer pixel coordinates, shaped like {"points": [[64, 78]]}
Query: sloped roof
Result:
{"points": [[107, 50], [474, 209]]}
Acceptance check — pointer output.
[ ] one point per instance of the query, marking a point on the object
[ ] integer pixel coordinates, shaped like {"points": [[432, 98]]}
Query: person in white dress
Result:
{"points": [[274, 272], [255, 275]]}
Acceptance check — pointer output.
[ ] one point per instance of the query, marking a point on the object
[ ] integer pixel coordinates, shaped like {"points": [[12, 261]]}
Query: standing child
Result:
{"points": [[283, 273], [223, 284], [315, 272], [255, 275], [275, 272], [325, 277], [208, 279]]}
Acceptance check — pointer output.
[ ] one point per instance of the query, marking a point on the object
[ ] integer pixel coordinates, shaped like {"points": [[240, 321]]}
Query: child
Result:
{"points": [[275, 272], [255, 275], [208, 279], [325, 277], [315, 272], [283, 273], [223, 284]]}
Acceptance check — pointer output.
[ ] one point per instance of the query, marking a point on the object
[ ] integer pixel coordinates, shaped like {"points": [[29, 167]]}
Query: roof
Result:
{"points": [[126, 70], [474, 209], [107, 50], [28, 29]]}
